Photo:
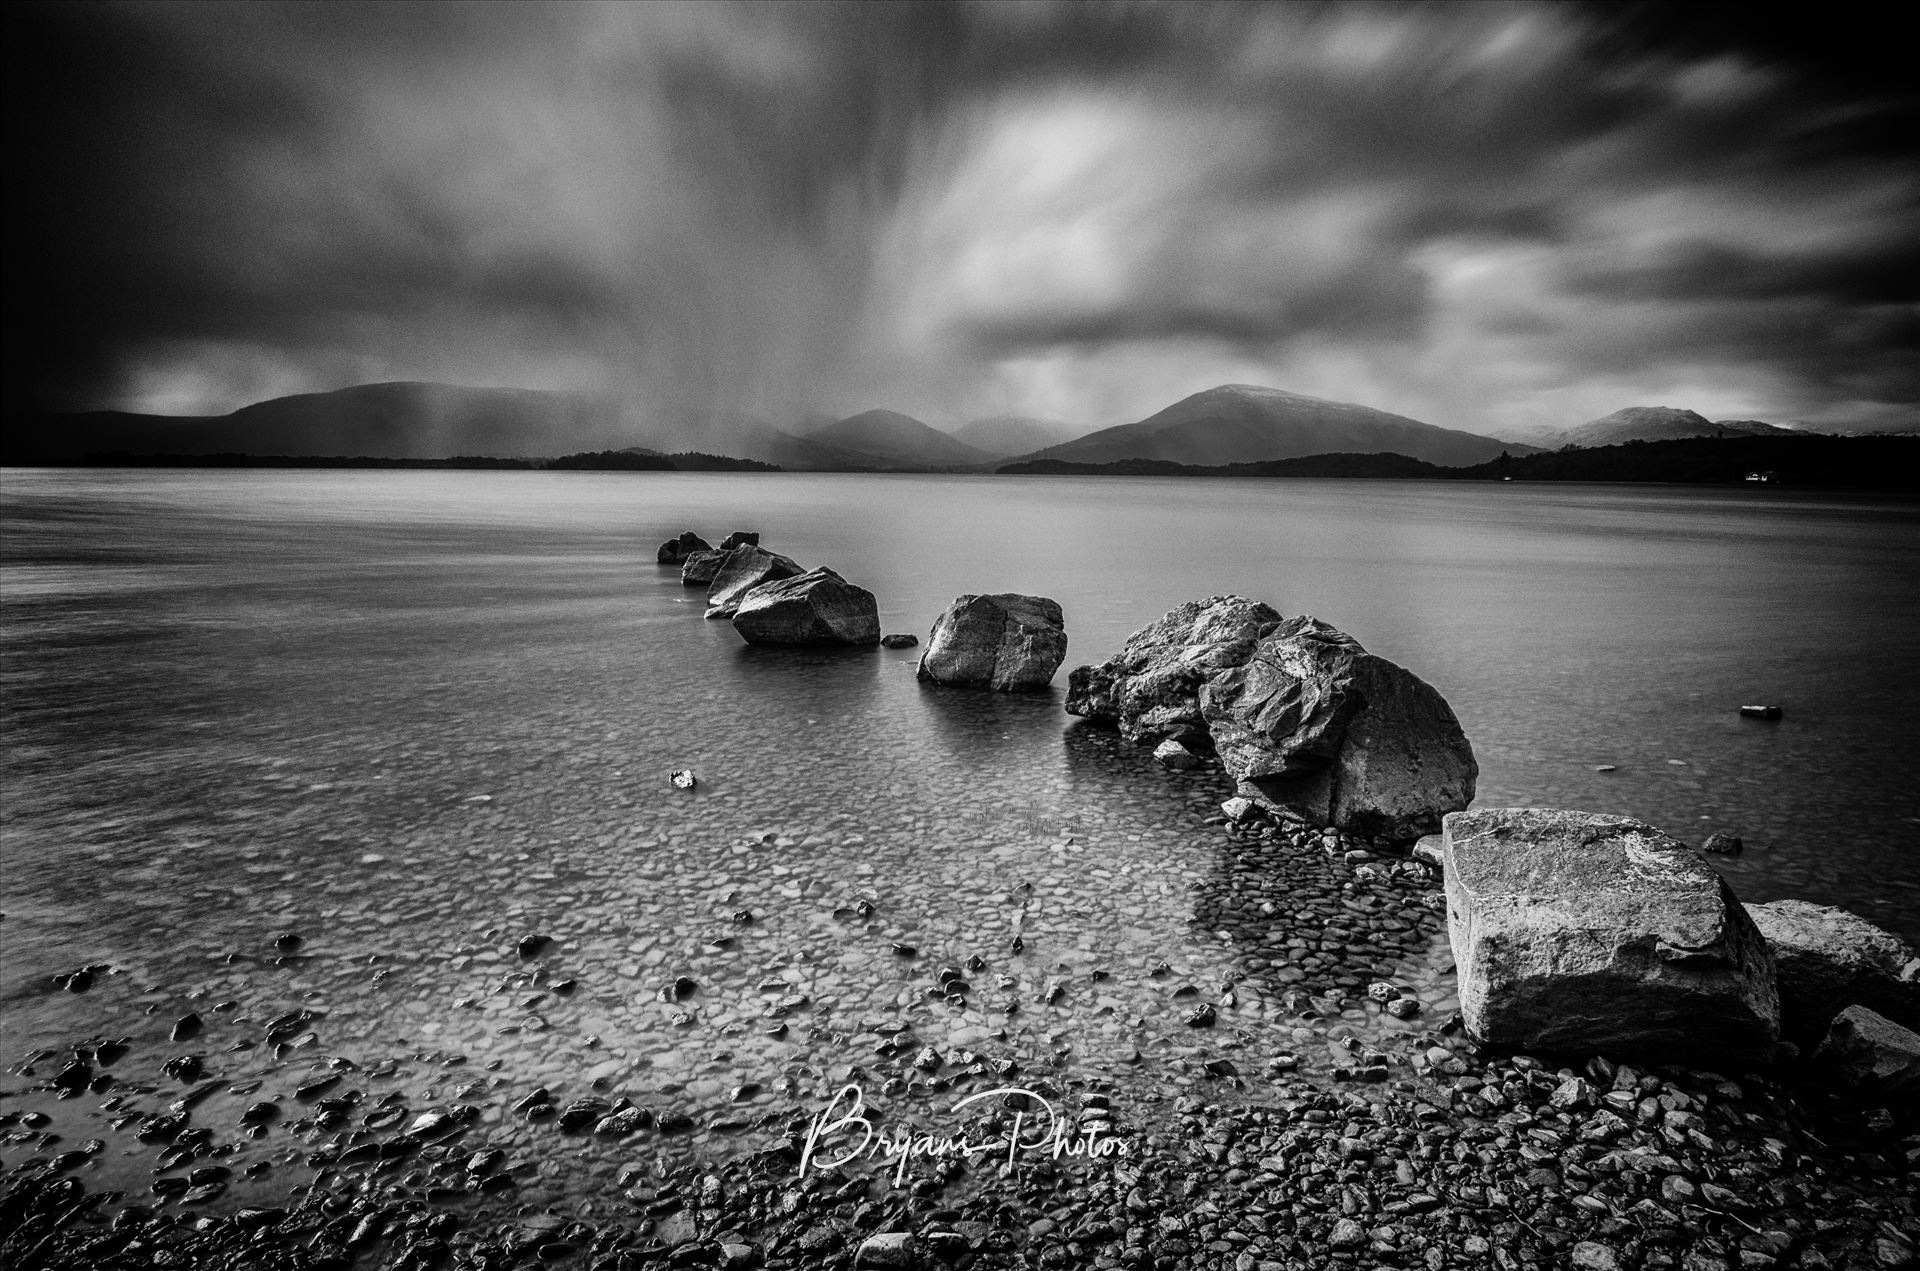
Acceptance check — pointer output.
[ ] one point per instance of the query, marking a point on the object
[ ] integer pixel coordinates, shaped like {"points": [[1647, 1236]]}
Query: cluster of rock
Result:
{"points": [[1006, 642], [1575, 932], [770, 598], [1298, 713]]}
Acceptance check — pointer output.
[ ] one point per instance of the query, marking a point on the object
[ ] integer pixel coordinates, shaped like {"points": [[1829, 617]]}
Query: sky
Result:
{"points": [[1490, 217]]}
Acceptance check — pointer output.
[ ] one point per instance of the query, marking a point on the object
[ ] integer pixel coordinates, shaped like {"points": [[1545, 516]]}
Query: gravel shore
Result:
{"points": [[1379, 1137]]}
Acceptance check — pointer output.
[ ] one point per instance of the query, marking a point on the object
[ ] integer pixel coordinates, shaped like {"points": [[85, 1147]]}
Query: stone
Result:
{"points": [[676, 550], [1299, 714], [817, 607], [1176, 755], [1241, 810], [889, 1249], [1864, 1048], [1591, 1255], [1586, 933], [899, 641], [698, 570], [1005, 642], [1723, 844], [740, 538], [1828, 959], [1426, 850], [745, 568]]}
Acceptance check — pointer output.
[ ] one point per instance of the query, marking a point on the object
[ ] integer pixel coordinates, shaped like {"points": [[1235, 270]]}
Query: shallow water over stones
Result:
{"points": [[717, 967]]}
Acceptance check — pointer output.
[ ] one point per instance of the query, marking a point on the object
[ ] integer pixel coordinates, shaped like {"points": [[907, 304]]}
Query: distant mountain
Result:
{"points": [[900, 440], [1647, 423], [1015, 434], [406, 420], [1640, 423], [754, 439], [1244, 423]]}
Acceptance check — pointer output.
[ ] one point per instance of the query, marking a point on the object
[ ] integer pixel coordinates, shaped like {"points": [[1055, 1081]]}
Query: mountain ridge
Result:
{"points": [[1251, 423]]}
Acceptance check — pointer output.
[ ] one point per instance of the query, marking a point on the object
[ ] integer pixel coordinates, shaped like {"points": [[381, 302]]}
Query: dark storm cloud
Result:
{"points": [[1482, 215]]}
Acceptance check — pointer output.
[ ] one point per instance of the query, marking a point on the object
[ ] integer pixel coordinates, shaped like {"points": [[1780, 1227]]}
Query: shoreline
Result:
{"points": [[1422, 1152]]}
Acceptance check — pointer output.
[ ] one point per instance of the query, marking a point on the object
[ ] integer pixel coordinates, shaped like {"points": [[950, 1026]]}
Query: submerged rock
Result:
{"points": [[700, 568], [1829, 959], [1299, 714], [1006, 642], [676, 550], [745, 568], [1587, 933], [1864, 1048], [899, 641], [817, 607]]}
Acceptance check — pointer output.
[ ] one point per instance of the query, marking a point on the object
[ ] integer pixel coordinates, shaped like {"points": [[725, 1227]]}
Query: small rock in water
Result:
{"points": [[533, 946], [1723, 843], [682, 778], [683, 987], [905, 950], [1175, 755], [1605, 767], [74, 1078], [187, 1026], [79, 982], [899, 641], [1761, 712], [185, 1068], [287, 942], [1201, 1016], [260, 1114]]}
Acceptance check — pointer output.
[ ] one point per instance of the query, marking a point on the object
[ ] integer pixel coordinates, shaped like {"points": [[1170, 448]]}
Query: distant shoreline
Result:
{"points": [[1887, 462]]}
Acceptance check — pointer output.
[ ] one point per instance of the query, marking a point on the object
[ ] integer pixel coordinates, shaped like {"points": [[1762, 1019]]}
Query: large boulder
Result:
{"points": [[1865, 1049], [676, 550], [817, 607], [1585, 933], [699, 568], [1150, 690], [1005, 642], [740, 538], [745, 568], [1299, 713], [1829, 959]]}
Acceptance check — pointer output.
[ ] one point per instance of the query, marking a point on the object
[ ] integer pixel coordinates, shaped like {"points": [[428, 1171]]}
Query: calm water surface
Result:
{"points": [[415, 716]]}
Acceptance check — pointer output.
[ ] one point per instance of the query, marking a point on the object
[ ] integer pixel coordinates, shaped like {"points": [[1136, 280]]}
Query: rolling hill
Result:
{"points": [[1244, 423], [405, 420]]}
